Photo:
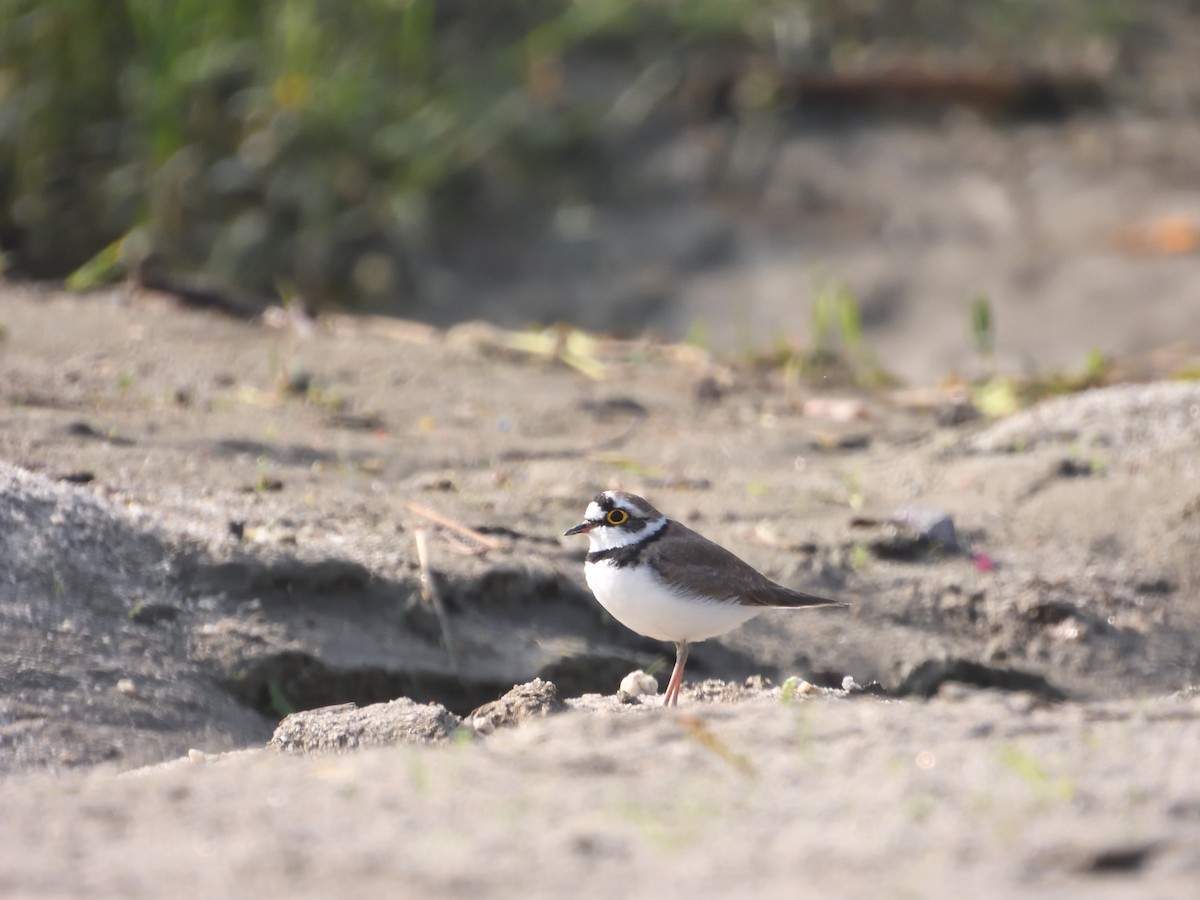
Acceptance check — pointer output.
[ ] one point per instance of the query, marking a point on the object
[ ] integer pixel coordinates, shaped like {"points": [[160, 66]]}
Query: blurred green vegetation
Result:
{"points": [[309, 143], [329, 149]]}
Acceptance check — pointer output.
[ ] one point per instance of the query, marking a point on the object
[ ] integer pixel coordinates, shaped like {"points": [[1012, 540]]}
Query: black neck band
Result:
{"points": [[630, 553]]}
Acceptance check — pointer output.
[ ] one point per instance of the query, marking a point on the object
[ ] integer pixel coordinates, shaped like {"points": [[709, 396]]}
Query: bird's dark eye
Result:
{"points": [[617, 517]]}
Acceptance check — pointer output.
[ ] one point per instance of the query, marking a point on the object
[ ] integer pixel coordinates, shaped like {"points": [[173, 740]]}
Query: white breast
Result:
{"points": [[638, 600]]}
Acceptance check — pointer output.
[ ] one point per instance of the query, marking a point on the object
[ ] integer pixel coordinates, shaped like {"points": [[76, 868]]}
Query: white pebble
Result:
{"points": [[797, 687], [638, 683]]}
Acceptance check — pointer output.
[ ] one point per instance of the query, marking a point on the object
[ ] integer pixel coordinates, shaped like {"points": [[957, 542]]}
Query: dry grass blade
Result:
{"points": [[697, 729], [446, 522], [431, 595]]}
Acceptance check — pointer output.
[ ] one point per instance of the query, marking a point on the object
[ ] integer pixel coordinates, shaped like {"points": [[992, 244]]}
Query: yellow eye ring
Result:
{"points": [[616, 517]]}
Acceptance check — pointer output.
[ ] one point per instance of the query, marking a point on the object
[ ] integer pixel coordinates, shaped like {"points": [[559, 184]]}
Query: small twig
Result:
{"points": [[461, 547], [612, 443], [438, 519], [433, 597], [592, 452]]}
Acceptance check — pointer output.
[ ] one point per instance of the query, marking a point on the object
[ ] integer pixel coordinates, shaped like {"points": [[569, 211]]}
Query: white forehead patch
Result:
{"points": [[593, 513]]}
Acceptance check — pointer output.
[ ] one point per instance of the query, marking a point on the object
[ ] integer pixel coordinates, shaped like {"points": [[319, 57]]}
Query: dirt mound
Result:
{"points": [[94, 659]]}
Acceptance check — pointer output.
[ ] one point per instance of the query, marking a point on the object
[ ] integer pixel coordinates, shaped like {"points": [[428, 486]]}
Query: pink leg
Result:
{"points": [[671, 697]]}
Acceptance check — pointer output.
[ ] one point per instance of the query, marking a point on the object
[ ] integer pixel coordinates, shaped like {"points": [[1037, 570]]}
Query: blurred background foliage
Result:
{"points": [[332, 149]]}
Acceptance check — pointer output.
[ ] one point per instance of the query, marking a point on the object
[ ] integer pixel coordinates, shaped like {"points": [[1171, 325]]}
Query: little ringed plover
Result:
{"points": [[665, 581]]}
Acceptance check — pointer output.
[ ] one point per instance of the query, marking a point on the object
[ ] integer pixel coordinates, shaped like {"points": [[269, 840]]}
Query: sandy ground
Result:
{"points": [[208, 524], [984, 794]]}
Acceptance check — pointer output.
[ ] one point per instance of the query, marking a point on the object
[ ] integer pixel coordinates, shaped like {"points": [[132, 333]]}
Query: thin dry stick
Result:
{"points": [[433, 597], [437, 518], [461, 547]]}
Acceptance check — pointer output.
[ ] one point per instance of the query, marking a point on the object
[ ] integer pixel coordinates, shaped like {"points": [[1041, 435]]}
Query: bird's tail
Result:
{"points": [[787, 598]]}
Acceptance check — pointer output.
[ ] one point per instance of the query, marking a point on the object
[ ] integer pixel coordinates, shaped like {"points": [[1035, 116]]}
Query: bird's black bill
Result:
{"points": [[581, 528]]}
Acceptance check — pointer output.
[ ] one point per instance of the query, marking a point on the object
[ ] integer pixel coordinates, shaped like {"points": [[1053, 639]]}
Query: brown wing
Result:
{"points": [[697, 565]]}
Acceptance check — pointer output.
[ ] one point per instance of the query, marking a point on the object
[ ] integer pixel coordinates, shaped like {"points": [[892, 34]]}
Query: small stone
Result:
{"points": [[126, 686], [346, 726], [534, 699], [797, 686], [153, 613], [933, 525], [835, 409], [849, 684], [639, 684], [955, 692]]}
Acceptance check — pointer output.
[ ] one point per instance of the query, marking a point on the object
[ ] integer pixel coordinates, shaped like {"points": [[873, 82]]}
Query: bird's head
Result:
{"points": [[616, 519]]}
